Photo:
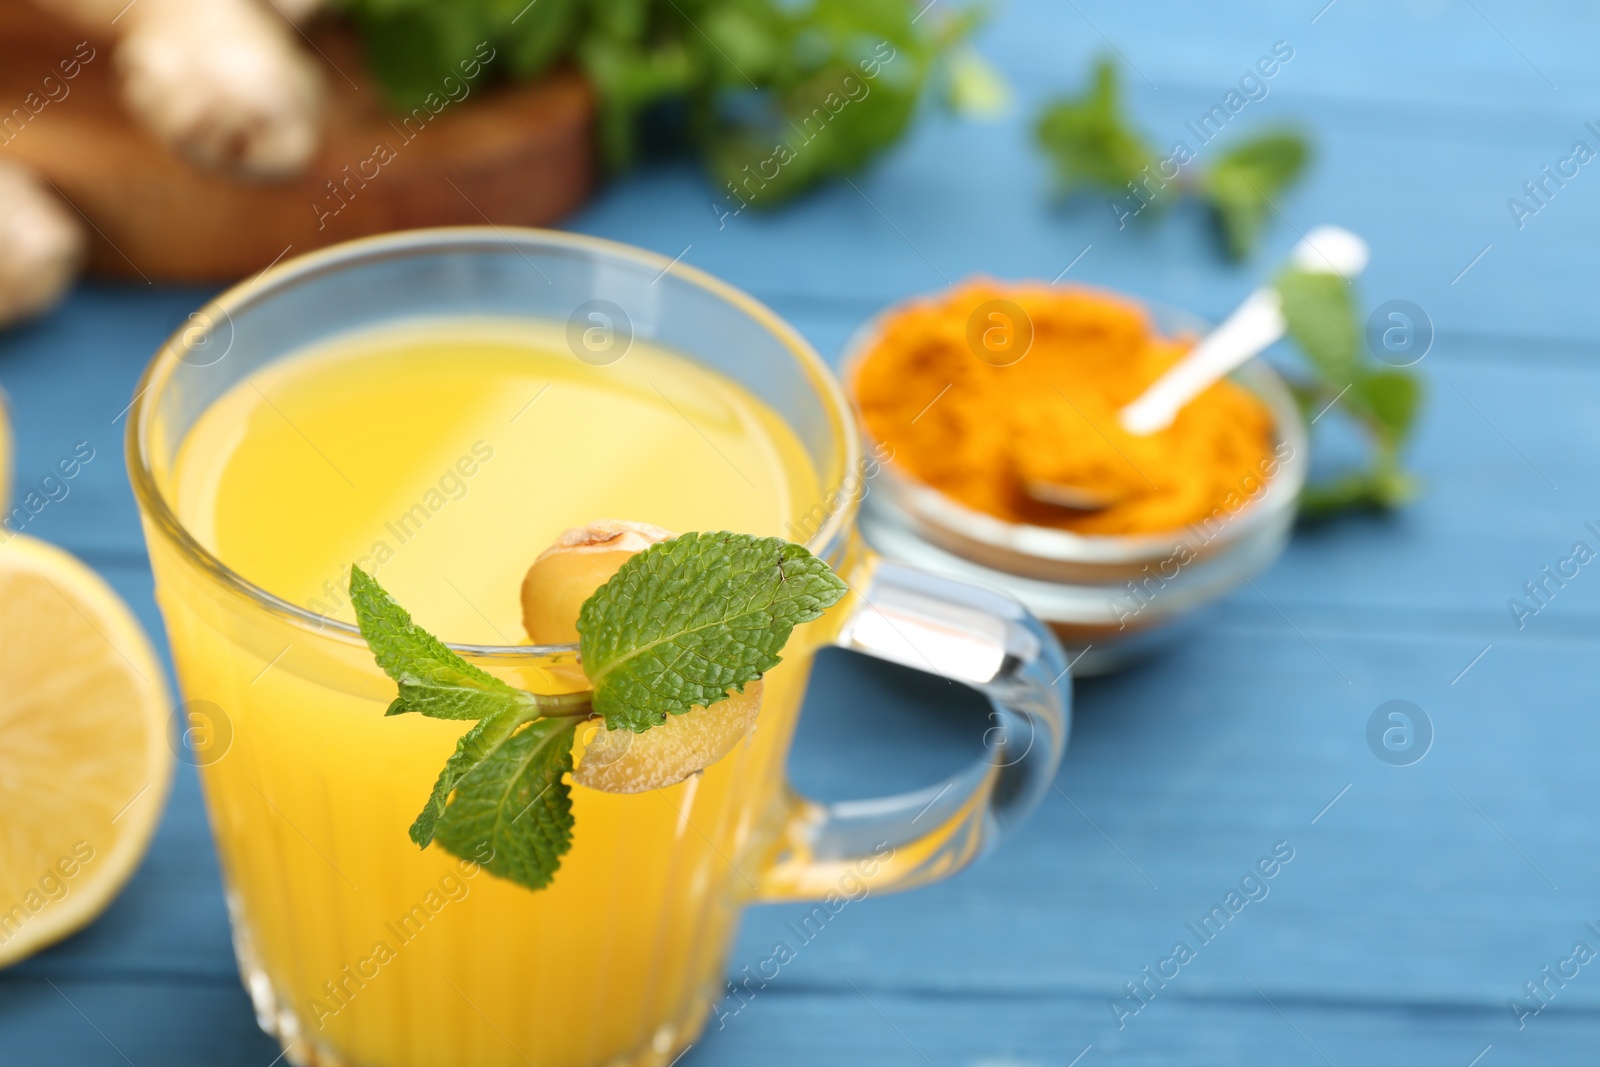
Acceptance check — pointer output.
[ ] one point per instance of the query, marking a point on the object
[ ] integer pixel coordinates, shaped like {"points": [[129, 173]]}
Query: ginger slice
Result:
{"points": [[621, 761]]}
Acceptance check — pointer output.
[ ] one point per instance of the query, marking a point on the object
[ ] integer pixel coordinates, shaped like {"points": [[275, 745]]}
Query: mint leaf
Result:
{"points": [[1380, 488], [1391, 398], [1320, 310], [472, 749], [1243, 183], [413, 46], [1321, 319], [1339, 493], [516, 801], [433, 680], [686, 620], [1090, 140]]}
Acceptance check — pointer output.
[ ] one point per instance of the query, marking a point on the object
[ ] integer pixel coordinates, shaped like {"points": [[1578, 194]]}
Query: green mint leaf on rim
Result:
{"points": [[681, 624], [686, 620], [433, 680]]}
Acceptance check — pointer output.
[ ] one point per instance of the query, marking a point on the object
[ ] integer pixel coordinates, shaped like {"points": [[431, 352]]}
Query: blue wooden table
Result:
{"points": [[1419, 899]]}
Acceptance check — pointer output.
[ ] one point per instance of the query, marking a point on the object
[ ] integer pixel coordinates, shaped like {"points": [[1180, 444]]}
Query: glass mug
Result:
{"points": [[356, 947]]}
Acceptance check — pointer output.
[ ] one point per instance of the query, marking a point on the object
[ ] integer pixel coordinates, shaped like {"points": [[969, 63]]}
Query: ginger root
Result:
{"points": [[225, 83], [42, 244]]}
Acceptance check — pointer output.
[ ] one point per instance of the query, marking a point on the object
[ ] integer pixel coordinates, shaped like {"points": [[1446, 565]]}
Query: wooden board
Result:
{"points": [[512, 155]]}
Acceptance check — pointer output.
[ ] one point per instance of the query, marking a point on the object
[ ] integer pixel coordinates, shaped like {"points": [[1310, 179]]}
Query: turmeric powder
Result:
{"points": [[989, 389]]}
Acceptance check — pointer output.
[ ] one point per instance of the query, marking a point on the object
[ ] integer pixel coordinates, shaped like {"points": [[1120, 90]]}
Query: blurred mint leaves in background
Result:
{"points": [[1091, 141], [1242, 184], [779, 95], [1382, 401], [835, 81], [1095, 147]]}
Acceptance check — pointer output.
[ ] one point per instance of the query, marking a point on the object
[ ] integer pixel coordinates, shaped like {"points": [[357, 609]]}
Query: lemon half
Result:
{"points": [[85, 761]]}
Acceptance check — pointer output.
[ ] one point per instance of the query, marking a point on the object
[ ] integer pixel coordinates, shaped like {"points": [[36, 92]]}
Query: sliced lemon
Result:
{"points": [[84, 754]]}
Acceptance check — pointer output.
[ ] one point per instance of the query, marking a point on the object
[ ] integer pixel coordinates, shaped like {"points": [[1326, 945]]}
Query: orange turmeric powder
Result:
{"points": [[989, 389]]}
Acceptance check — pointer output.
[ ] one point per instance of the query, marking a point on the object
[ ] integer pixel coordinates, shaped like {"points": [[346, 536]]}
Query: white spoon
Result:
{"points": [[1254, 325]]}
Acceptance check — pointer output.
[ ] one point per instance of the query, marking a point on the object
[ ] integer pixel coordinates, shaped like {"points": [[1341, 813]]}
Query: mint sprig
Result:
{"points": [[1382, 401], [1095, 145], [682, 624]]}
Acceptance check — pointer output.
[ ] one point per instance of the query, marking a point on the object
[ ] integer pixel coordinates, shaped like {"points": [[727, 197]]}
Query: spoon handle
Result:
{"points": [[1254, 325], [1257, 323]]}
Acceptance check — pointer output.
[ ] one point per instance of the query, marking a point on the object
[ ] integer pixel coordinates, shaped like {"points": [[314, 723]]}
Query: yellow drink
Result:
{"points": [[443, 460]]}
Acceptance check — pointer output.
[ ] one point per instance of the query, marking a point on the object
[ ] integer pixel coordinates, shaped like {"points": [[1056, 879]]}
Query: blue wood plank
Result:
{"points": [[1179, 779], [69, 378], [117, 1020], [885, 1026]]}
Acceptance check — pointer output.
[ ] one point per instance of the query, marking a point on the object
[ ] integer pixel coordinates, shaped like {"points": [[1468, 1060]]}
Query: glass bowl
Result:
{"points": [[1110, 599]]}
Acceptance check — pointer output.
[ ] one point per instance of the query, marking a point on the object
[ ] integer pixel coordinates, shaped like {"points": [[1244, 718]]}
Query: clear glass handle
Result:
{"points": [[967, 634]]}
